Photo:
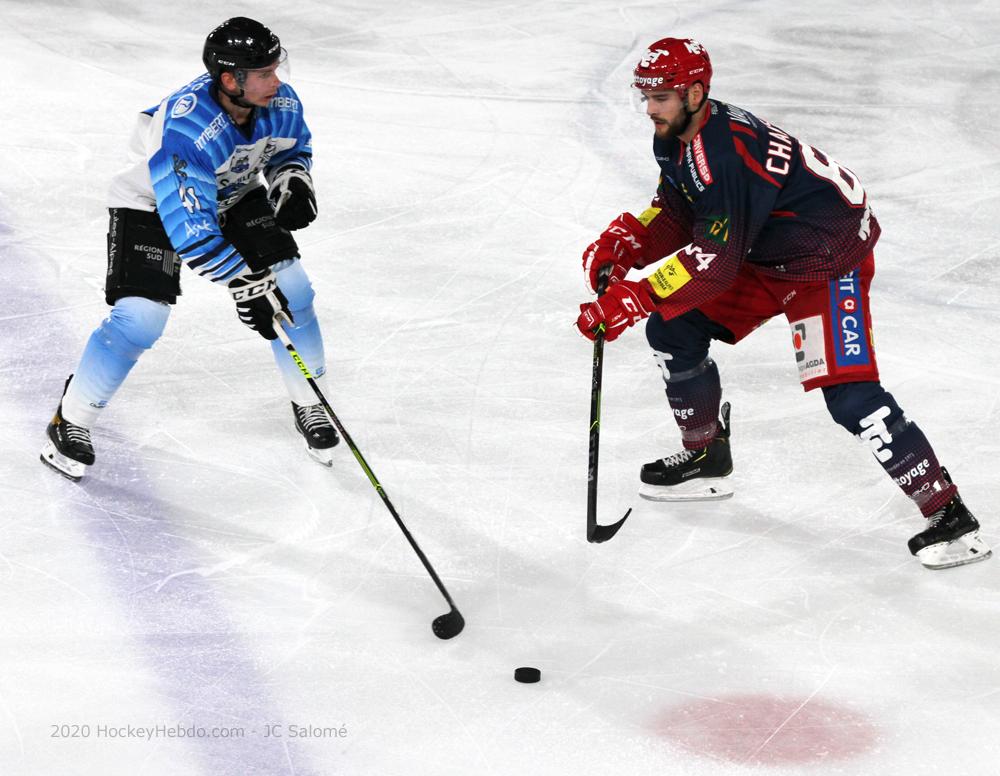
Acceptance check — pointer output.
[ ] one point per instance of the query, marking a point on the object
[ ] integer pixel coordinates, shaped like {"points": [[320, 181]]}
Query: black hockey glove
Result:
{"points": [[258, 298], [292, 197]]}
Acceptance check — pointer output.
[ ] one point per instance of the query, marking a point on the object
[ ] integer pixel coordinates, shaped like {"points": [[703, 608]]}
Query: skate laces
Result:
{"points": [[312, 417], [678, 459], [77, 434]]}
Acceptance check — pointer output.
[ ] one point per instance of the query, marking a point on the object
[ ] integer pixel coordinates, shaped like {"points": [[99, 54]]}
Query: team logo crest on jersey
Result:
{"points": [[240, 164], [184, 105]]}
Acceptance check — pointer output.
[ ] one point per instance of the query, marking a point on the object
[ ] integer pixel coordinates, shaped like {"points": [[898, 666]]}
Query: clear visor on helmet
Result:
{"points": [[281, 68], [640, 98]]}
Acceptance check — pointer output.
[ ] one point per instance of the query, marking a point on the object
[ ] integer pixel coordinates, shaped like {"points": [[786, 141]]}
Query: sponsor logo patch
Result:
{"points": [[810, 348], [694, 172], [718, 229], [644, 82], [851, 346], [215, 126], [648, 215], [668, 278], [701, 160], [283, 103]]}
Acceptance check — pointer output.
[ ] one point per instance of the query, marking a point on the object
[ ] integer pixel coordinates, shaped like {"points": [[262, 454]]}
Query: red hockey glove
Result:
{"points": [[626, 303], [620, 245]]}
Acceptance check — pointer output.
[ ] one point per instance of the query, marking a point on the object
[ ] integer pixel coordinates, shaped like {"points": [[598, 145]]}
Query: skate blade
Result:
{"points": [[324, 457], [67, 467], [708, 489], [964, 550]]}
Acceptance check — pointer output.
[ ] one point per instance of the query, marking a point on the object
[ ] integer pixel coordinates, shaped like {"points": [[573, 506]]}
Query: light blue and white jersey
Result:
{"points": [[191, 162]]}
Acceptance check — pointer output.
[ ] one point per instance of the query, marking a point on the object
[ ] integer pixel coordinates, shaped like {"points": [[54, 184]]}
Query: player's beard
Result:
{"points": [[674, 127]]}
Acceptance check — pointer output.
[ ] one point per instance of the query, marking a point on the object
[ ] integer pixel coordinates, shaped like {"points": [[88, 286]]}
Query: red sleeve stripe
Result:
{"points": [[784, 213], [742, 128], [752, 163]]}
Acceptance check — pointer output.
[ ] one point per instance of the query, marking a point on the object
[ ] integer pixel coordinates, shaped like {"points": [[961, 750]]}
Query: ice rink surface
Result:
{"points": [[207, 577]]}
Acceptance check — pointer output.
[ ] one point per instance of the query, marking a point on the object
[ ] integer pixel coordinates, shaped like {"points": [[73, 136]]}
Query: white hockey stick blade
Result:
{"points": [[964, 550], [707, 489], [67, 467]]}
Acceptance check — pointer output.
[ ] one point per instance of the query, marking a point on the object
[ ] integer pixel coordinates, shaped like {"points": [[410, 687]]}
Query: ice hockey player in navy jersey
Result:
{"points": [[193, 195], [748, 223]]}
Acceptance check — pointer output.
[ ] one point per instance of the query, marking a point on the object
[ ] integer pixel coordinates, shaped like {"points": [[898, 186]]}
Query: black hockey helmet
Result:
{"points": [[240, 44]]}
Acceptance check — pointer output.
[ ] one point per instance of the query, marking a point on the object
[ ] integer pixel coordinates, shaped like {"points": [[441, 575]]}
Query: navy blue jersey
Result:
{"points": [[751, 192]]}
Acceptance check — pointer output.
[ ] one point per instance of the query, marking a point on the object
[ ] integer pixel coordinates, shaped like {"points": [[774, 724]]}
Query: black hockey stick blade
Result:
{"points": [[446, 626], [601, 533], [449, 625]]}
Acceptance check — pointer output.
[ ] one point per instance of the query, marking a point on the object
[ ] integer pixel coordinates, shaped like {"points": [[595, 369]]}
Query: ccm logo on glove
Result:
{"points": [[620, 246], [258, 299], [625, 304]]}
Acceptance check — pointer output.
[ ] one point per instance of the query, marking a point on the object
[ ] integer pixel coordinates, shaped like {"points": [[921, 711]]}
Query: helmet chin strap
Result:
{"points": [[237, 99], [688, 113]]}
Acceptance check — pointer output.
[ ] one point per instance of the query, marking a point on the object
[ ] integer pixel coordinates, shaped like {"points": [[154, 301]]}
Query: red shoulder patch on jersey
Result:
{"points": [[752, 163], [701, 160]]}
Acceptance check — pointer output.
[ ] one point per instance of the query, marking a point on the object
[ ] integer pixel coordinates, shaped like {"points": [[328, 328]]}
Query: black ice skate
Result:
{"points": [[692, 475], [951, 537], [321, 437], [68, 450]]}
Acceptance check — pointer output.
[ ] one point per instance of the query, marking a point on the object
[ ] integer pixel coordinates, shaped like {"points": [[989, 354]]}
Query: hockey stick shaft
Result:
{"points": [[279, 318], [597, 533], [595, 432]]}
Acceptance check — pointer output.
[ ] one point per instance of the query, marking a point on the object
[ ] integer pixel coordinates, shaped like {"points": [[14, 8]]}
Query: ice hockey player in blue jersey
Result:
{"points": [[749, 223], [193, 195]]}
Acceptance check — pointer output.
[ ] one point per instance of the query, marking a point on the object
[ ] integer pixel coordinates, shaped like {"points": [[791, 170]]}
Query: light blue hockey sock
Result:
{"points": [[305, 333], [132, 327]]}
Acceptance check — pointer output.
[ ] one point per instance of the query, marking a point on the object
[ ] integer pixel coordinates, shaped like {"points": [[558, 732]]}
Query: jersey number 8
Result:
{"points": [[822, 166]]}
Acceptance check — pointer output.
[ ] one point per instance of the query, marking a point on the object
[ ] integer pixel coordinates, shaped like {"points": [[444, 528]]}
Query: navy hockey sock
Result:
{"points": [[867, 410], [914, 467], [694, 397]]}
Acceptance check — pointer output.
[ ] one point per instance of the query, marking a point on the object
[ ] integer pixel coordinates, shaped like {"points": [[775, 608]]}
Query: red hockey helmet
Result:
{"points": [[673, 63]]}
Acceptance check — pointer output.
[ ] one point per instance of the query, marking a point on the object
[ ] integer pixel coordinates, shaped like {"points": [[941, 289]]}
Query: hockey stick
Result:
{"points": [[598, 533], [446, 626]]}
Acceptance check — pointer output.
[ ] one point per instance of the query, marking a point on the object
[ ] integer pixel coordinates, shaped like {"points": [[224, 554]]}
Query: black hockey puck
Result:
{"points": [[527, 675]]}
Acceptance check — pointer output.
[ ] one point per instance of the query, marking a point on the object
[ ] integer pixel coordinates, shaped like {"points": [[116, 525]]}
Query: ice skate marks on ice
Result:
{"points": [[702, 489]]}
